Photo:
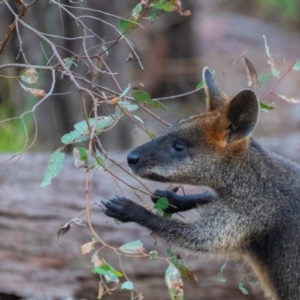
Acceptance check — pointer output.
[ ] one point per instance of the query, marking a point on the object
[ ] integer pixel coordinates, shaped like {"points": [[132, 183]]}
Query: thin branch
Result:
{"points": [[12, 28], [27, 66]]}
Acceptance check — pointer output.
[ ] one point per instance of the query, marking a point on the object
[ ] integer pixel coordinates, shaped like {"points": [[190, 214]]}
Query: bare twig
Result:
{"points": [[12, 28]]}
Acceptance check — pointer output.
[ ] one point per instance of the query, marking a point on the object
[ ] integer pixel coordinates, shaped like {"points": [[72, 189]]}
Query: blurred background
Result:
{"points": [[173, 51]]}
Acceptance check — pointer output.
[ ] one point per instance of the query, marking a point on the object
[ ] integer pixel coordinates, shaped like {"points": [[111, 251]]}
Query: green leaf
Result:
{"points": [[135, 247], [242, 288], [101, 123], [125, 92], [138, 119], [200, 85], [185, 272], [110, 277], [126, 25], [144, 98], [137, 9], [82, 132], [254, 283], [153, 16], [167, 215], [127, 286], [101, 270], [117, 273], [263, 78], [275, 72], [163, 5], [220, 274], [29, 76], [266, 107], [74, 137], [162, 203], [174, 283], [81, 157], [100, 159], [54, 167], [172, 256], [128, 106], [69, 61], [105, 50], [153, 254], [296, 66], [152, 135], [109, 273]]}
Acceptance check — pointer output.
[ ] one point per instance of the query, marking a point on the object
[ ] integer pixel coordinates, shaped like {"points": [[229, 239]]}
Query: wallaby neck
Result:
{"points": [[254, 172]]}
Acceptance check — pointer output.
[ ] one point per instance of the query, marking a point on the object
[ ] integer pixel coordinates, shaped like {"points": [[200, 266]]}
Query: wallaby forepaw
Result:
{"points": [[163, 193], [120, 208]]}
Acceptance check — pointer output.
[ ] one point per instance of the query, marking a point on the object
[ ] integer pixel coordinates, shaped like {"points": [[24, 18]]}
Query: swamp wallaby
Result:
{"points": [[255, 212]]}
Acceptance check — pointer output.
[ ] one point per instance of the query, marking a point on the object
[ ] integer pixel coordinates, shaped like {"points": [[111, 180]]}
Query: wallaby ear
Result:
{"points": [[241, 115], [214, 96]]}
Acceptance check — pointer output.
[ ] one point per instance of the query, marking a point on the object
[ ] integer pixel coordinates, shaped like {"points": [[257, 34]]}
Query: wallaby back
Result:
{"points": [[257, 212]]}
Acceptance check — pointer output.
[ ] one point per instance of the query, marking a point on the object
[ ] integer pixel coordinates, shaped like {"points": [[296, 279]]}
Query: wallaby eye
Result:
{"points": [[179, 146]]}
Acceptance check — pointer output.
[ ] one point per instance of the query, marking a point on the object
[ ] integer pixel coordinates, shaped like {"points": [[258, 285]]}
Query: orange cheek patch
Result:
{"points": [[215, 137]]}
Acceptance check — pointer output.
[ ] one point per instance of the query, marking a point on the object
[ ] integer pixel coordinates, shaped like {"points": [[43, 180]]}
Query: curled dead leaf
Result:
{"points": [[113, 100], [66, 227], [87, 248], [95, 72], [177, 6], [251, 74], [63, 230], [96, 260], [185, 12], [95, 76], [138, 87], [129, 57], [29, 76], [35, 92], [100, 290]]}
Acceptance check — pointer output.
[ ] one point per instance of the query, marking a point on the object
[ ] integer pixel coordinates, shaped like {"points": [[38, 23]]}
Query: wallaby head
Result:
{"points": [[201, 143]]}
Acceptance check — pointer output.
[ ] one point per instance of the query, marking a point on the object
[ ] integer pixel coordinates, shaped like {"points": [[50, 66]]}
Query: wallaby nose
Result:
{"points": [[133, 159]]}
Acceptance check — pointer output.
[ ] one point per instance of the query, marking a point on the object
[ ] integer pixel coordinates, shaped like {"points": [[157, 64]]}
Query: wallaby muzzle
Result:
{"points": [[133, 158]]}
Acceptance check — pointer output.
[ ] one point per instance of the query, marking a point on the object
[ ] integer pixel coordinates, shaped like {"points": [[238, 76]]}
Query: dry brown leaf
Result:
{"points": [[96, 260], [95, 72], [178, 7], [30, 76], [37, 92], [65, 228], [87, 248], [140, 297], [138, 87], [95, 76], [184, 12], [113, 100], [34, 92], [129, 57], [100, 290], [251, 74]]}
